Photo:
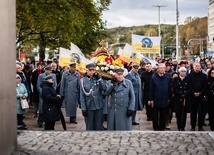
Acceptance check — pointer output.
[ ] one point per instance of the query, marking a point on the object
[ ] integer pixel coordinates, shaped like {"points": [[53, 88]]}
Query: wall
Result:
{"points": [[8, 132]]}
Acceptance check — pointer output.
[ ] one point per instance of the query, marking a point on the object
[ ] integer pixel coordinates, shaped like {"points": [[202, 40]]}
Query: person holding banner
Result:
{"points": [[69, 90]]}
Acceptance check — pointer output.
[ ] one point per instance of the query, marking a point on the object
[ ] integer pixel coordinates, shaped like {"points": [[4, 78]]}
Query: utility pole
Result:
{"points": [[159, 6], [177, 32], [159, 29]]}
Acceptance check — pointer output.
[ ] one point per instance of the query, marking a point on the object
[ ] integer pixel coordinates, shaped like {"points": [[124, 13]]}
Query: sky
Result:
{"points": [[140, 12]]}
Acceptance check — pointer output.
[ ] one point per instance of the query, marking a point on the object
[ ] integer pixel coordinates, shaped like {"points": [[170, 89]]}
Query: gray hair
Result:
{"points": [[182, 69]]}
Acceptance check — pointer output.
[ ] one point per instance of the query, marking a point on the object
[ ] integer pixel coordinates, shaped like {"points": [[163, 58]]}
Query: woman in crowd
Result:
{"points": [[182, 89], [21, 93], [51, 103], [210, 93]]}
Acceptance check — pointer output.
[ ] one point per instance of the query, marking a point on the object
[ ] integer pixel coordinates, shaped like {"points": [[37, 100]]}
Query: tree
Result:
{"points": [[55, 23]]}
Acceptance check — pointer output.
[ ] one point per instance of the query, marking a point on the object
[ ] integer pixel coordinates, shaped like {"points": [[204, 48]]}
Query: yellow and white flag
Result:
{"points": [[66, 57], [125, 54], [144, 44]]}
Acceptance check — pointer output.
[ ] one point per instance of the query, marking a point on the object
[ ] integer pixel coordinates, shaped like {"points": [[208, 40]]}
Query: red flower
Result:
{"points": [[108, 60]]}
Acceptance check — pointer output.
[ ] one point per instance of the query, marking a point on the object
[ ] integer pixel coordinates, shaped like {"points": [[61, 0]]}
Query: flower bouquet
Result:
{"points": [[106, 66]]}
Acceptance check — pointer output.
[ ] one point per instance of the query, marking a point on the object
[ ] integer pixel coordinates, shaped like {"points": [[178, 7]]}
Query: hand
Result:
{"points": [[97, 76], [58, 96], [23, 97], [129, 113], [84, 113], [152, 103]]}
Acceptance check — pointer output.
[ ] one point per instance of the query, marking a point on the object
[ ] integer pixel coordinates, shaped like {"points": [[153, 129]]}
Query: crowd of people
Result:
{"points": [[164, 89]]}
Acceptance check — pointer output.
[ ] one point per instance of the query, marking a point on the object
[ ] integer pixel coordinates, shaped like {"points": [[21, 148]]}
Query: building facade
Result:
{"points": [[210, 45]]}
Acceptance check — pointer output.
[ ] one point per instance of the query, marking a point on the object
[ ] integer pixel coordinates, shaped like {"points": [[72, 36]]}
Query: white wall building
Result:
{"points": [[210, 45]]}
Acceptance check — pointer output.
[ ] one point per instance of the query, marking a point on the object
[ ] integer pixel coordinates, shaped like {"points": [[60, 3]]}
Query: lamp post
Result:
{"points": [[159, 29], [177, 32], [159, 6]]}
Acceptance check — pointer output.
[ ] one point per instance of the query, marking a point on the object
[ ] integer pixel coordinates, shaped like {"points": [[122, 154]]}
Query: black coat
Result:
{"points": [[182, 90], [34, 79], [51, 103], [198, 83], [58, 79], [210, 90], [159, 90], [145, 79]]}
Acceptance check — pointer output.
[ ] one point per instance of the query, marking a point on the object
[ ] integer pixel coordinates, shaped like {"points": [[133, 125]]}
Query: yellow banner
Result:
{"points": [[66, 57], [137, 48], [145, 44], [125, 57]]}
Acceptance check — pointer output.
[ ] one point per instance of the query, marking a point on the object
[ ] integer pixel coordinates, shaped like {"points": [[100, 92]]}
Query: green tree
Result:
{"points": [[55, 23]]}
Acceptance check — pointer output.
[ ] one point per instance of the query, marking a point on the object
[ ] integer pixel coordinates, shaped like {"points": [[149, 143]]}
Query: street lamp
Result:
{"points": [[159, 6], [177, 33]]}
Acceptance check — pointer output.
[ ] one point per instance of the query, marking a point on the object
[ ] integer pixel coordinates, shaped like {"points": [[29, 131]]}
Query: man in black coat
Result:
{"points": [[198, 82], [159, 95], [34, 78], [58, 75], [145, 79]]}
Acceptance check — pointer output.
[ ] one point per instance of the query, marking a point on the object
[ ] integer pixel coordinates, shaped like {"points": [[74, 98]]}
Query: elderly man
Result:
{"points": [[91, 98], [122, 102], [198, 82], [41, 78], [134, 77], [69, 90], [159, 94]]}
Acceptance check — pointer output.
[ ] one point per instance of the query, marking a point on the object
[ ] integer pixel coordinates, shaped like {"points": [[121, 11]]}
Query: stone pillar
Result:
{"points": [[8, 132]]}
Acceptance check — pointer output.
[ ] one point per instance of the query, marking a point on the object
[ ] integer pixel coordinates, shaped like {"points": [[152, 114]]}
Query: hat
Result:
{"points": [[119, 70], [72, 64], [135, 65], [48, 68], [168, 64], [49, 77], [182, 63], [90, 65], [19, 63]]}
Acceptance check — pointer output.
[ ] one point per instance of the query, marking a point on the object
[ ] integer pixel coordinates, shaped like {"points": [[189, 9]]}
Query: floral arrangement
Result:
{"points": [[107, 64]]}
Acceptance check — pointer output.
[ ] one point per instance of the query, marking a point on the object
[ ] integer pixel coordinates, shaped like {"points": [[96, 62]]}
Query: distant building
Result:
{"points": [[211, 26]]}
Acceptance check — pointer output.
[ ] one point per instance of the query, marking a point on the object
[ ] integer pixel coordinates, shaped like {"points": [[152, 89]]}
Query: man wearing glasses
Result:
{"points": [[69, 91]]}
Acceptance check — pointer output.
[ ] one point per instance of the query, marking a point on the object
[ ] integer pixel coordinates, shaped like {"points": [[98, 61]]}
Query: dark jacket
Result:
{"points": [[210, 90], [145, 80], [182, 90], [58, 80], [51, 103], [34, 79], [198, 83], [159, 90]]}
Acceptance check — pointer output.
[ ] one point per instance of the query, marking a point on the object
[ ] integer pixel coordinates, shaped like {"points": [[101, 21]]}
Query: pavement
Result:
{"points": [[141, 140]]}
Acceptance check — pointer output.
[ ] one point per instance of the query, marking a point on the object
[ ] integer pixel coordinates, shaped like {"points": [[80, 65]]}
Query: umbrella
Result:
{"points": [[62, 119]]}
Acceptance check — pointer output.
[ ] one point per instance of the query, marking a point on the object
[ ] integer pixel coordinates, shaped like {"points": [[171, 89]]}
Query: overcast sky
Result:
{"points": [[141, 12]]}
